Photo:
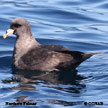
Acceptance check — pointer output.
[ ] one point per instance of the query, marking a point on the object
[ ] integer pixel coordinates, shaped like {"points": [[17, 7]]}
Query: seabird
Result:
{"points": [[28, 54]]}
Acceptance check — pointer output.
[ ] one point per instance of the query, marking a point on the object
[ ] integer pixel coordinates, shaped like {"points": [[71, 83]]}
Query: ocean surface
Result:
{"points": [[80, 25]]}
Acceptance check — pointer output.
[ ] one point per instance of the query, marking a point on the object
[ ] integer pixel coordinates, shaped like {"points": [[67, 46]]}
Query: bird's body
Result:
{"points": [[30, 55]]}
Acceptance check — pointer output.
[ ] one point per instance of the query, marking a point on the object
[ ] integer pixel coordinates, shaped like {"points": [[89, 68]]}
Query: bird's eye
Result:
{"points": [[17, 25]]}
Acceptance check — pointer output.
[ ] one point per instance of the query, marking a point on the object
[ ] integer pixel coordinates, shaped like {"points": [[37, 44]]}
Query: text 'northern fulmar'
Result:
{"points": [[29, 54]]}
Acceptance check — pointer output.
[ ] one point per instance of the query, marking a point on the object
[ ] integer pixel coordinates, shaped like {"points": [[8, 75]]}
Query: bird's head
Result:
{"points": [[19, 27]]}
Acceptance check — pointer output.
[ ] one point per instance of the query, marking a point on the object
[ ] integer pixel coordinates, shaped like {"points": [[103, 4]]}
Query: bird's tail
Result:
{"points": [[88, 55]]}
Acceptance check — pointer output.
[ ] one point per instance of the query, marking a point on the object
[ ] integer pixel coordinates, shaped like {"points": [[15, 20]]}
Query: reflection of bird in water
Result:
{"points": [[31, 80], [51, 77], [26, 78], [30, 55]]}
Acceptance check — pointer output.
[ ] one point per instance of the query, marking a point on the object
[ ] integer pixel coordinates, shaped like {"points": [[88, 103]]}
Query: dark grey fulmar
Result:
{"points": [[30, 55]]}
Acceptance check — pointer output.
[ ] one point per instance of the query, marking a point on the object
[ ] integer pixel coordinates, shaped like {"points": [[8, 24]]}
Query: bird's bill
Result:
{"points": [[8, 33]]}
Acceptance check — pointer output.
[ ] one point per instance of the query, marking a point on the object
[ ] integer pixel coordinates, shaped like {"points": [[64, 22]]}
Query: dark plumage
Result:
{"points": [[29, 54]]}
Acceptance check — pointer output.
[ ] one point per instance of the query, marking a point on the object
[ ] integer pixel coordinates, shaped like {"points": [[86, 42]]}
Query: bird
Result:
{"points": [[29, 54]]}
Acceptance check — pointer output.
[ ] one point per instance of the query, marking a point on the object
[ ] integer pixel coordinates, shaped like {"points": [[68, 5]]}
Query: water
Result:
{"points": [[76, 24]]}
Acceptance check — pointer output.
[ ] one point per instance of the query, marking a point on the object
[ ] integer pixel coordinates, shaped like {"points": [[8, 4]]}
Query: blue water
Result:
{"points": [[76, 24]]}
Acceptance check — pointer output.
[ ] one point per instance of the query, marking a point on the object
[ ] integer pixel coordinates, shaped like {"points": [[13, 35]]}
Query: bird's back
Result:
{"points": [[51, 58]]}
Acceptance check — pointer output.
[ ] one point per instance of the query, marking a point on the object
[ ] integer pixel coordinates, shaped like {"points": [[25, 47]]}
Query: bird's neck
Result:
{"points": [[22, 46]]}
